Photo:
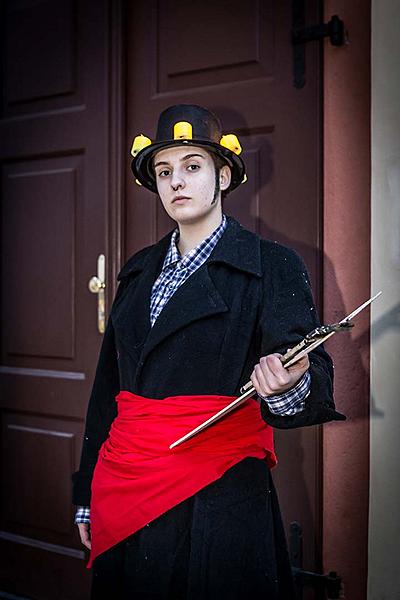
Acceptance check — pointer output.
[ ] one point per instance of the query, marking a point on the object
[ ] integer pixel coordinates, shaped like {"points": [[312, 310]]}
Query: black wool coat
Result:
{"points": [[250, 298]]}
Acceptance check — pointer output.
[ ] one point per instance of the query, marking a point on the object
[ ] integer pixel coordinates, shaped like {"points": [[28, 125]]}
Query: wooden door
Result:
{"points": [[62, 181], [57, 155], [236, 58]]}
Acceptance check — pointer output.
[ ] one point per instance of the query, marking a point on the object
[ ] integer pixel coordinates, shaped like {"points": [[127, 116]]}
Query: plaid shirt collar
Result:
{"points": [[239, 248], [173, 255]]}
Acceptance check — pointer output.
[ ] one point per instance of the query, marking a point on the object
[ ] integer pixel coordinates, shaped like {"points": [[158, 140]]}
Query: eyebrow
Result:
{"points": [[182, 159]]}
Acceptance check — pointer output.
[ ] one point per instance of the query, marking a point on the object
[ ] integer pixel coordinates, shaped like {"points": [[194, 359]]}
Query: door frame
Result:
{"points": [[118, 162], [347, 282]]}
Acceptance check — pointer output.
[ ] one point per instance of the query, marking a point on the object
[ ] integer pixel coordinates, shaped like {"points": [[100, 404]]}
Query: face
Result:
{"points": [[186, 183]]}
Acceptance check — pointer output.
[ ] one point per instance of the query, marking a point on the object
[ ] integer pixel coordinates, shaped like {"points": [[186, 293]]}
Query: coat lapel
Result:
{"points": [[195, 299], [132, 317], [239, 249]]}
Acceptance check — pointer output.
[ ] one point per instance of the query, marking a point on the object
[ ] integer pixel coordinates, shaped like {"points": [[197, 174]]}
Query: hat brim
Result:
{"points": [[142, 163]]}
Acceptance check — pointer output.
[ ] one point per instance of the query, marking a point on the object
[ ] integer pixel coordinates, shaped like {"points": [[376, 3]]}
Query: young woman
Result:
{"points": [[196, 316]]}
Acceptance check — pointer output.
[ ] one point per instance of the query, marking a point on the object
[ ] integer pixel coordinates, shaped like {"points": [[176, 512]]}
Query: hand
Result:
{"points": [[270, 377], [84, 532]]}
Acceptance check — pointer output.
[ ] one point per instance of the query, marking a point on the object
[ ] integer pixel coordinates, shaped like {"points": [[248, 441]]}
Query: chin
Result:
{"points": [[186, 218], [183, 211], [190, 217]]}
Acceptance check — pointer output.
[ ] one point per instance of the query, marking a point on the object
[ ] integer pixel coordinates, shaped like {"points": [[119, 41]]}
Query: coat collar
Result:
{"points": [[238, 248]]}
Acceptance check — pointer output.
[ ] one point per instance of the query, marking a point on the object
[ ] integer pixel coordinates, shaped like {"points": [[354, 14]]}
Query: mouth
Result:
{"points": [[180, 198]]}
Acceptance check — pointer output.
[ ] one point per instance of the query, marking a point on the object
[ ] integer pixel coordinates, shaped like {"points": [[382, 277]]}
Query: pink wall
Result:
{"points": [[347, 232]]}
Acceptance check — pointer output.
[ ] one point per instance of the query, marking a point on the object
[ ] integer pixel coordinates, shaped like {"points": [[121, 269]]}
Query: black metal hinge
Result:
{"points": [[334, 29], [330, 584], [301, 34]]}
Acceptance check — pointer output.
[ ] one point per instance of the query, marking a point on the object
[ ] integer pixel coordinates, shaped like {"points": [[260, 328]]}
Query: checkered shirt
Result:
{"points": [[175, 271], [292, 401]]}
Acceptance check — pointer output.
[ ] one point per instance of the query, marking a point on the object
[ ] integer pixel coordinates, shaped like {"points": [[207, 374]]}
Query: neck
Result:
{"points": [[191, 234]]}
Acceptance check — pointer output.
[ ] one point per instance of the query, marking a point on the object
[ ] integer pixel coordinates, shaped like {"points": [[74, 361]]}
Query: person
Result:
{"points": [[195, 317]]}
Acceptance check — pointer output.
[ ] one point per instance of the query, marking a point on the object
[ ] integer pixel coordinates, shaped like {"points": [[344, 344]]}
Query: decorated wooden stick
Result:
{"points": [[310, 342]]}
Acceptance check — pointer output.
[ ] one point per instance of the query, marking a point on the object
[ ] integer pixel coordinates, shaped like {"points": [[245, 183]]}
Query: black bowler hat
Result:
{"points": [[187, 125]]}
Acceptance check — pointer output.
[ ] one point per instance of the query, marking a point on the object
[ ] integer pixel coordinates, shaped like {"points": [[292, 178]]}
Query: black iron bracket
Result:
{"points": [[300, 35], [329, 584], [334, 29]]}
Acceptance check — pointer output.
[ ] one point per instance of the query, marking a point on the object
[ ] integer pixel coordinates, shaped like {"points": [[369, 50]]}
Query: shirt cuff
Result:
{"points": [[292, 401], [82, 515]]}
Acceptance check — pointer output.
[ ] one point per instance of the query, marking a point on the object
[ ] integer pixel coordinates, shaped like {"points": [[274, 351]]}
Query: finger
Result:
{"points": [[265, 377], [85, 534], [256, 383], [278, 371], [86, 541]]}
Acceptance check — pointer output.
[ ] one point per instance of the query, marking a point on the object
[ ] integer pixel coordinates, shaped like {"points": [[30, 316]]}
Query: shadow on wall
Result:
{"points": [[388, 322], [298, 476]]}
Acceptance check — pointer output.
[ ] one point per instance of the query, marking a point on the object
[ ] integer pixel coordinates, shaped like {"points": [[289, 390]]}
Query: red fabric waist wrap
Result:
{"points": [[137, 477]]}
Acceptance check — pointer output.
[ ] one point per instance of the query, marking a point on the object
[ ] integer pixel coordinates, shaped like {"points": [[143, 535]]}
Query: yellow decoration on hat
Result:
{"points": [[244, 178], [140, 142], [183, 131], [231, 142], [137, 182]]}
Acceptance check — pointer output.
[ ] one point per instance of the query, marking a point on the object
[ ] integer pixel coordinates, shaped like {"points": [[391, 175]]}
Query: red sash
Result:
{"points": [[138, 478]]}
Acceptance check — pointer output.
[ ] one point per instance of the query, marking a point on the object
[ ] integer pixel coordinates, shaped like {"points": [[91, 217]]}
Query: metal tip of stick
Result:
{"points": [[360, 308]]}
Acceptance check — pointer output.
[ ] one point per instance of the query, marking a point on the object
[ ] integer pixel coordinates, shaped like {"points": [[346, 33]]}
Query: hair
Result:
{"points": [[218, 164]]}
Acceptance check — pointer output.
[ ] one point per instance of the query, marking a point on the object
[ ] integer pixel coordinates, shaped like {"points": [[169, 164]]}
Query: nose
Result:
{"points": [[177, 181]]}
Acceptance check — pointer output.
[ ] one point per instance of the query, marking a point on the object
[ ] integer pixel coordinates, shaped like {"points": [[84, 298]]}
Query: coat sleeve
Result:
{"points": [[100, 414], [288, 314]]}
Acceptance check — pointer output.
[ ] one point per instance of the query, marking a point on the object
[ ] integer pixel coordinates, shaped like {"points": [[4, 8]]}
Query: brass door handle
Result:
{"points": [[97, 285]]}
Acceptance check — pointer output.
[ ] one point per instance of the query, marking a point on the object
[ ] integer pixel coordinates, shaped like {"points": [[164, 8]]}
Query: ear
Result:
{"points": [[224, 177]]}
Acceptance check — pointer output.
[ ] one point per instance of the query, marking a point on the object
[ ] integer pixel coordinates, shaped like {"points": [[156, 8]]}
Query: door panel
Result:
{"points": [[54, 150]]}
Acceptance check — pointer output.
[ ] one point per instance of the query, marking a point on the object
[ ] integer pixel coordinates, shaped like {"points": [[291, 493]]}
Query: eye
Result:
{"points": [[164, 173], [193, 167]]}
